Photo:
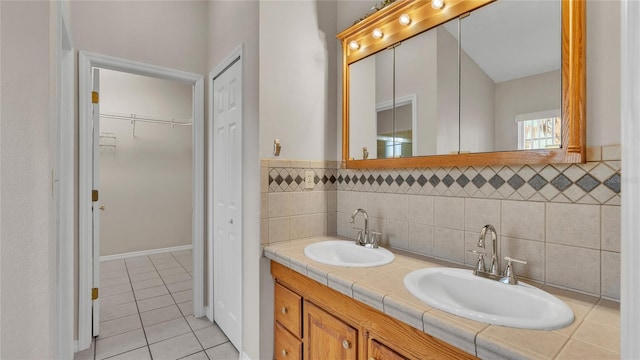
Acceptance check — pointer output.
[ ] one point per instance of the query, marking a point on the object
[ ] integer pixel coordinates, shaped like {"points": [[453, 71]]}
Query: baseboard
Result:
{"points": [[145, 252], [209, 312], [75, 346], [244, 356]]}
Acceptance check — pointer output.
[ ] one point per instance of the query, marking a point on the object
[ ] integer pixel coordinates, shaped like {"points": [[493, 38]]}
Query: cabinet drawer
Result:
{"points": [[288, 307], [287, 347], [378, 351]]}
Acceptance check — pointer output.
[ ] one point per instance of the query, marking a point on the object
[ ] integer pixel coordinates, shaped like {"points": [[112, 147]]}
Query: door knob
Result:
{"points": [[102, 207], [346, 344]]}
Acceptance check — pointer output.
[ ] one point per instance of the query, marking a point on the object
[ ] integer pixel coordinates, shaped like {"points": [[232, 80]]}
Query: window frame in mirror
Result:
{"points": [[423, 18]]}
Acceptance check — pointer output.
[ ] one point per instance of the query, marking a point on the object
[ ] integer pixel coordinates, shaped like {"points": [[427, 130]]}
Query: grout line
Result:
{"points": [[139, 315]]}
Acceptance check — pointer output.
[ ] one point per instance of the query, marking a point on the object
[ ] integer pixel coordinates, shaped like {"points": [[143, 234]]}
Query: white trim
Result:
{"points": [[244, 356], [75, 346], [237, 53], [400, 101], [145, 253], [545, 114], [630, 127], [86, 62], [63, 181]]}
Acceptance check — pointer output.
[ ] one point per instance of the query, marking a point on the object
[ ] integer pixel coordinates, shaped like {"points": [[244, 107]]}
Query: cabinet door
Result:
{"points": [[326, 337], [287, 347], [288, 306], [378, 351]]}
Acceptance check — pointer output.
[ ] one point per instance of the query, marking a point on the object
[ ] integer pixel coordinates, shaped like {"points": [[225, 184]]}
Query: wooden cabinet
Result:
{"points": [[378, 351], [314, 322], [327, 337]]}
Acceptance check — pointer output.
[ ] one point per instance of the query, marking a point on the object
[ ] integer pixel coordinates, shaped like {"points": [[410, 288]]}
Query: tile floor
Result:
{"points": [[146, 312]]}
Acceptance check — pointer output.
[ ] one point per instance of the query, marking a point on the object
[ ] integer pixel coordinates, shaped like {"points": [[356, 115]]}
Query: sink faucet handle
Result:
{"points": [[360, 240], [509, 275], [372, 242], [480, 263]]}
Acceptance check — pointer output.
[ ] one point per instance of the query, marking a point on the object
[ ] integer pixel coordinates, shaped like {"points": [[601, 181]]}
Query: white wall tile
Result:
{"points": [[317, 202], [573, 267], [523, 220], [533, 252], [300, 203], [421, 209], [397, 207], [480, 212], [279, 204], [449, 212], [448, 244], [318, 224], [299, 227], [573, 224], [610, 274], [264, 206], [332, 201], [398, 234], [376, 205], [279, 229], [421, 238], [610, 238]]}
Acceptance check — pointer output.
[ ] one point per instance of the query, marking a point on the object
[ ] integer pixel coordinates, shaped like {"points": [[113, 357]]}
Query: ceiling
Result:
{"points": [[510, 39]]}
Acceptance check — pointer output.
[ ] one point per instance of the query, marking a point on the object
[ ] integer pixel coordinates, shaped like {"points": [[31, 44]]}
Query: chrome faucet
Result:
{"points": [[509, 276], [368, 238], [495, 263]]}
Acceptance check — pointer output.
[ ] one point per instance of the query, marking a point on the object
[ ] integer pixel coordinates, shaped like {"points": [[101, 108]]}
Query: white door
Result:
{"points": [[96, 212], [227, 200]]}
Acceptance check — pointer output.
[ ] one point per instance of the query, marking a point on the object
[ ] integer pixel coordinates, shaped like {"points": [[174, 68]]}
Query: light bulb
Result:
{"points": [[377, 34], [437, 4], [405, 19], [354, 45]]}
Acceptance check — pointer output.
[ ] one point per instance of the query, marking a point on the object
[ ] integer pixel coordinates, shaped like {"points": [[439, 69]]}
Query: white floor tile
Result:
{"points": [[171, 271], [176, 347], [160, 315], [122, 280], [112, 274], [115, 312], [145, 284], [197, 356], [225, 351], [119, 326], [160, 256], [142, 269], [166, 330], [155, 303], [114, 300], [144, 276], [183, 296], [142, 353], [180, 286], [115, 290], [167, 265], [170, 279], [186, 308], [120, 344], [198, 323], [211, 336], [151, 292]]}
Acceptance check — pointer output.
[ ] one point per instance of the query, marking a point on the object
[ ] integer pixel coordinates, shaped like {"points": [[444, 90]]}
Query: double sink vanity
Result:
{"points": [[338, 300]]}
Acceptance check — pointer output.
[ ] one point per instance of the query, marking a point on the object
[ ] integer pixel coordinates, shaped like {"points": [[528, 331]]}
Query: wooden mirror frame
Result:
{"points": [[424, 17]]}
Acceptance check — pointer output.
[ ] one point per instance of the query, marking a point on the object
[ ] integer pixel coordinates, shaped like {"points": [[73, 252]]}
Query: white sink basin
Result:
{"points": [[347, 253], [459, 292]]}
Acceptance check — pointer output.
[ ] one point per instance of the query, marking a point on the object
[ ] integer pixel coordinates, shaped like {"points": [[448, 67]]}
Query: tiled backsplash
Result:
{"points": [[564, 219]]}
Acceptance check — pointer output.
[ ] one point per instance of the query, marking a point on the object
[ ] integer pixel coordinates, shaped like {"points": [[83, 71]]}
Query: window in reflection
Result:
{"points": [[539, 130]]}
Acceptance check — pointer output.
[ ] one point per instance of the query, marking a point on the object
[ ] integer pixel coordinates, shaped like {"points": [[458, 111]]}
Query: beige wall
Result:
{"points": [[146, 181], [28, 283]]}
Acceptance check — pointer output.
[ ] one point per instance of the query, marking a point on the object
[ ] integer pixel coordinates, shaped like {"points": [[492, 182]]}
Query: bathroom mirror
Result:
{"points": [[546, 120]]}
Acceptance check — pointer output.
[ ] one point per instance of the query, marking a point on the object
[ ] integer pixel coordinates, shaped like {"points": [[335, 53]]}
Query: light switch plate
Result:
{"points": [[308, 179]]}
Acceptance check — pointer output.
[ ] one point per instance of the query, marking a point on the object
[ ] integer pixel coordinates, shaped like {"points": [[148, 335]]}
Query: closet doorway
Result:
{"points": [[141, 148]]}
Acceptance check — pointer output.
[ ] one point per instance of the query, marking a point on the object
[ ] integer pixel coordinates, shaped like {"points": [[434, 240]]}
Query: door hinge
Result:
{"points": [[94, 195], [94, 97], [94, 293]]}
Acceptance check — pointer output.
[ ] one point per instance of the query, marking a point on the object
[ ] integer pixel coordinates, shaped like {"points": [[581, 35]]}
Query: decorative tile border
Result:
{"points": [[596, 182]]}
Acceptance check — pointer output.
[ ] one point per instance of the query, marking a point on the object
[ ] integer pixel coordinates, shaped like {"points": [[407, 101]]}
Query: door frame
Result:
{"points": [[86, 61], [63, 181], [230, 59]]}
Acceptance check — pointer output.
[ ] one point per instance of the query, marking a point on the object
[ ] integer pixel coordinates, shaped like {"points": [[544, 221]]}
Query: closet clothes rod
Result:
{"points": [[133, 118]]}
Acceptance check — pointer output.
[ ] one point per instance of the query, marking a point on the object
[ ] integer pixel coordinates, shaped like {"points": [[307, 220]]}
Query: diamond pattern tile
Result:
{"points": [[516, 182], [561, 182], [422, 180], [479, 181], [463, 180], [613, 183], [410, 180], [434, 180], [448, 180], [537, 182], [587, 183], [496, 181]]}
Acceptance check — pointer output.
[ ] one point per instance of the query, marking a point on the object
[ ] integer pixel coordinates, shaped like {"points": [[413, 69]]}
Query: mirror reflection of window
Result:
{"points": [[398, 143], [539, 130]]}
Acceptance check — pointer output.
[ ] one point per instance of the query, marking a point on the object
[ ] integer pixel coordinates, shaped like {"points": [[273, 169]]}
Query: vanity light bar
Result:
{"points": [[437, 4], [377, 33], [354, 45]]}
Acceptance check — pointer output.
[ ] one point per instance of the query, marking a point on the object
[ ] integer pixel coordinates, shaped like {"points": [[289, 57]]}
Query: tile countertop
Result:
{"points": [[594, 334]]}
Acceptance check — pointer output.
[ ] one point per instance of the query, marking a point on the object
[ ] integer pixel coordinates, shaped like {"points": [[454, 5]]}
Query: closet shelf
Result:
{"points": [[133, 118]]}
